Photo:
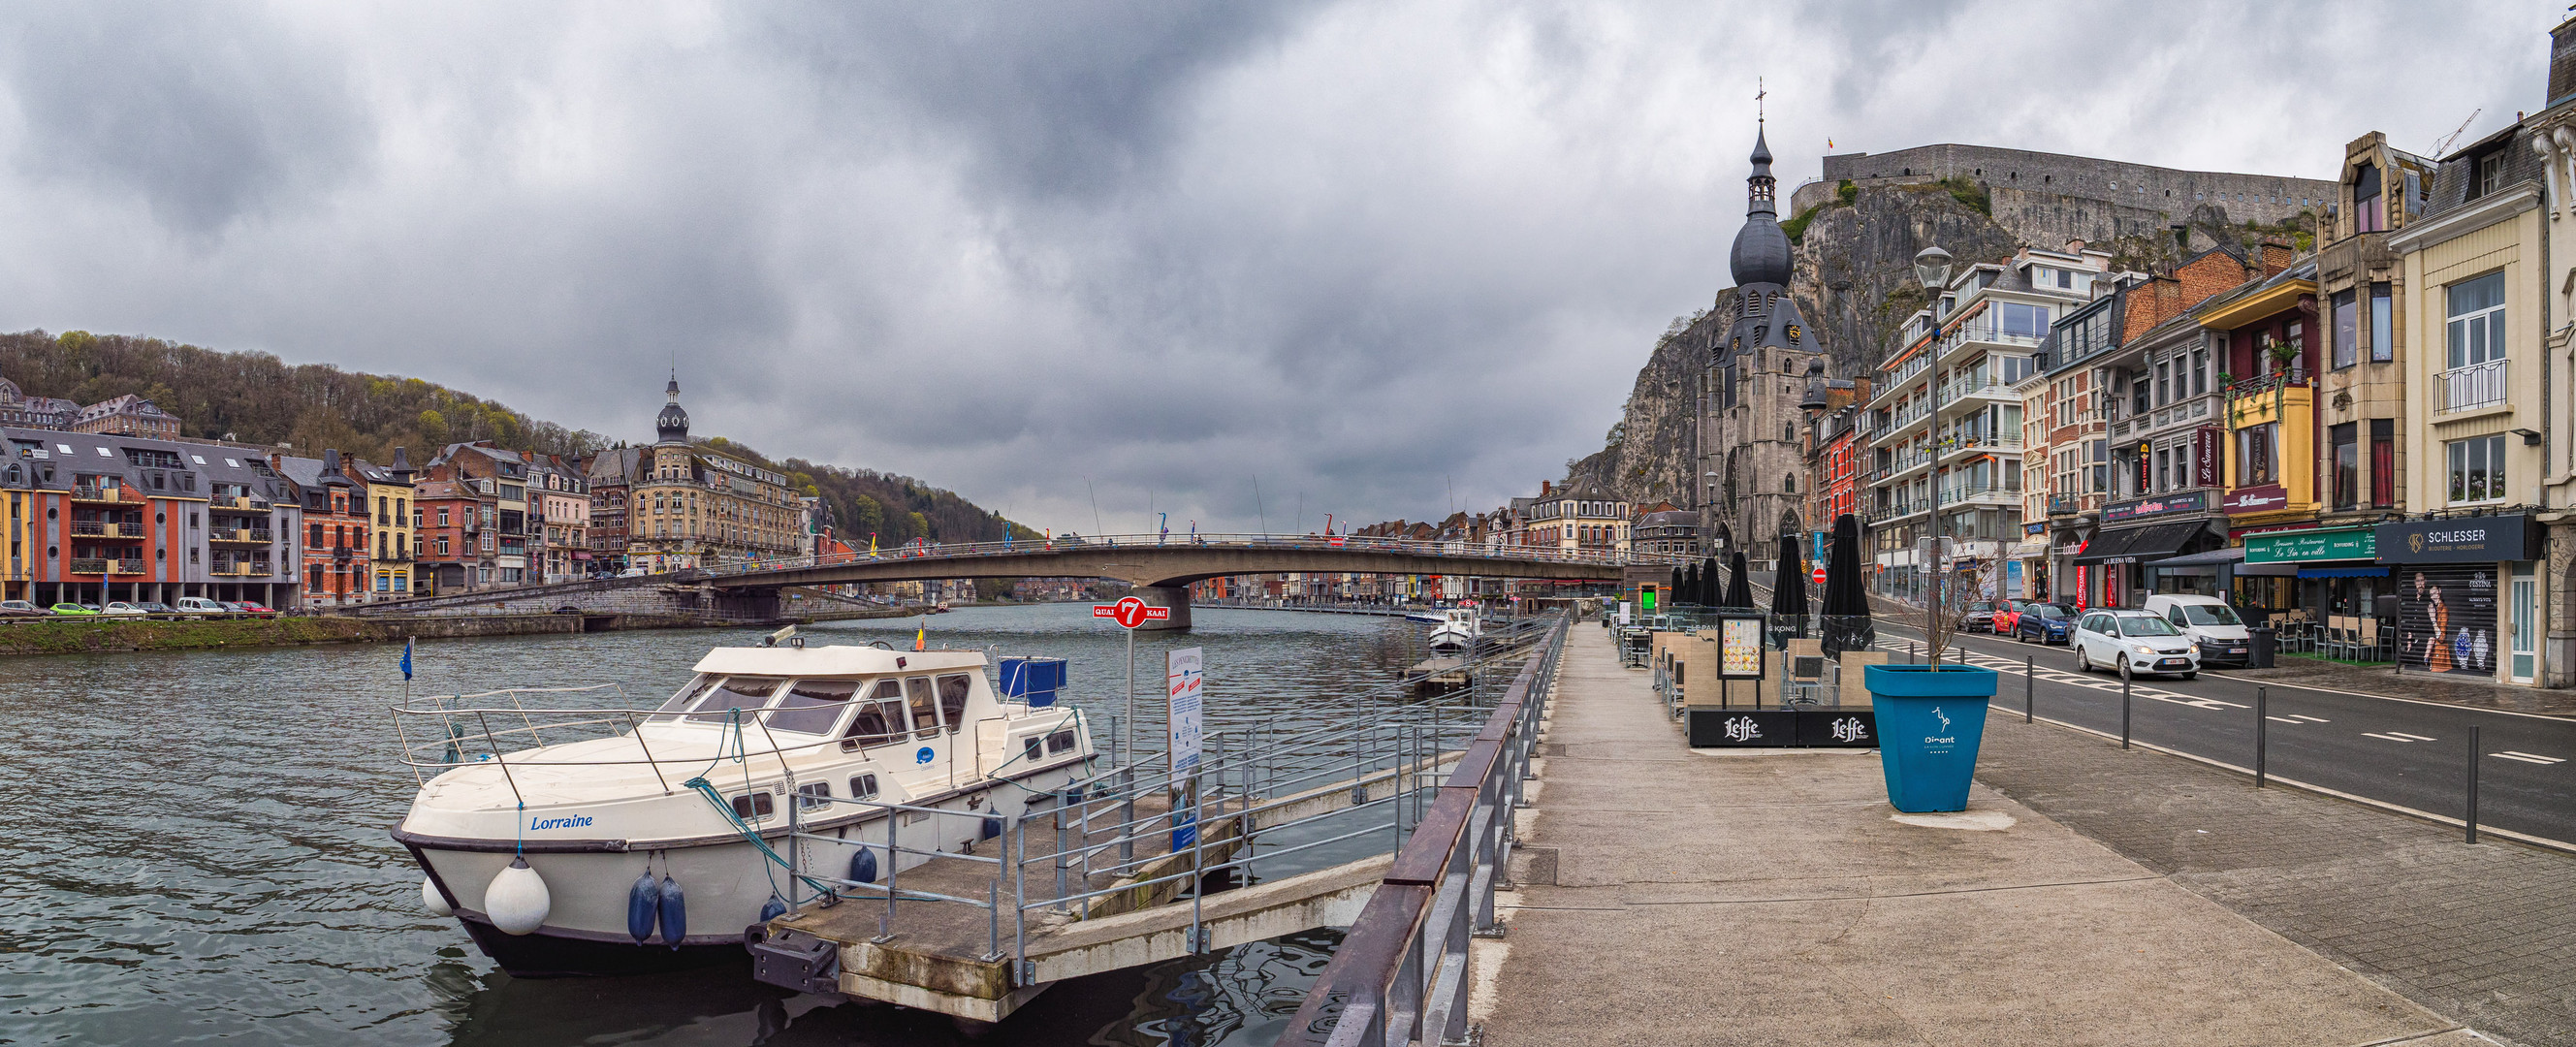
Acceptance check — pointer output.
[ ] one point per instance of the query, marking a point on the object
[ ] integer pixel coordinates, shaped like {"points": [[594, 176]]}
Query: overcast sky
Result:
{"points": [[1368, 253]]}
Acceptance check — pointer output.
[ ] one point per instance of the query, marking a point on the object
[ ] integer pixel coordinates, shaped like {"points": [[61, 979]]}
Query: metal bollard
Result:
{"points": [[2473, 784], [2124, 712], [2027, 685], [2262, 730]]}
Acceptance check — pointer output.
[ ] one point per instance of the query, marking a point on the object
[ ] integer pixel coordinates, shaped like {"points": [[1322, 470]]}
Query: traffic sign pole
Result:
{"points": [[1130, 613]]}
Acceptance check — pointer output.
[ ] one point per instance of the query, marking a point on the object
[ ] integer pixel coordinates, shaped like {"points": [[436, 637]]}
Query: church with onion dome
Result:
{"points": [[1754, 349]]}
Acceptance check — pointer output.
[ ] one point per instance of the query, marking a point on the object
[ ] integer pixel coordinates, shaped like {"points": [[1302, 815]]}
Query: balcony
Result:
{"points": [[241, 503], [88, 565], [2073, 504], [105, 529], [2273, 398], [2469, 388], [126, 566], [240, 536], [99, 495], [240, 569]]}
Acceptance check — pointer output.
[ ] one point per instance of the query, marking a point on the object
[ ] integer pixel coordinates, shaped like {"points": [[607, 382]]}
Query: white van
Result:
{"points": [[198, 605], [2210, 623]]}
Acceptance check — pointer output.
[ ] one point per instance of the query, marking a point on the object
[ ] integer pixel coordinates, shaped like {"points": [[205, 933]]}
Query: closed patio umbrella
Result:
{"points": [[1789, 587], [1846, 609], [1739, 584]]}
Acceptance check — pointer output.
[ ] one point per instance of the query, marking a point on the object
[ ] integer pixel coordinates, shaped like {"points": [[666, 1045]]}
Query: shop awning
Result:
{"points": [[2380, 571], [2212, 558], [2150, 542]]}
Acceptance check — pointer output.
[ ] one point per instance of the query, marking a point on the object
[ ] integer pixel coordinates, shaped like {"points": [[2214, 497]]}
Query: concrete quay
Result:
{"points": [[1666, 896]]}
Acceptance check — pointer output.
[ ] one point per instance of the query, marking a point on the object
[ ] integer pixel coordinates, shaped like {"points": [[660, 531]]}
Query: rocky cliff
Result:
{"points": [[1854, 257]]}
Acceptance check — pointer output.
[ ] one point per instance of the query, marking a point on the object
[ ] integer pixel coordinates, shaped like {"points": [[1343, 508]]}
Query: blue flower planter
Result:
{"points": [[1929, 724]]}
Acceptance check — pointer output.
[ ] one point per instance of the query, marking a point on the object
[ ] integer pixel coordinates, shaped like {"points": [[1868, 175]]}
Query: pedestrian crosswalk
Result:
{"points": [[2398, 736]]}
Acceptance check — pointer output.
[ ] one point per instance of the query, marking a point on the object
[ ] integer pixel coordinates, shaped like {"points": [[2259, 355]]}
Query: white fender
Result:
{"points": [[517, 900], [433, 901]]}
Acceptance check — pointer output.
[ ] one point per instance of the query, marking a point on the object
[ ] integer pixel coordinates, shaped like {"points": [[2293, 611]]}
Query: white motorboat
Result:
{"points": [[658, 839], [1428, 617], [1458, 629]]}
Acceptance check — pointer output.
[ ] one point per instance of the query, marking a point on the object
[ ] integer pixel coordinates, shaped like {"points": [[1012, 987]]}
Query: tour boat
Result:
{"points": [[658, 840], [1458, 629], [1429, 617]]}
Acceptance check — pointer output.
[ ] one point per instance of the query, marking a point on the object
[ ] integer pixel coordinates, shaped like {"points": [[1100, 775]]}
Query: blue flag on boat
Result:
{"points": [[406, 662]]}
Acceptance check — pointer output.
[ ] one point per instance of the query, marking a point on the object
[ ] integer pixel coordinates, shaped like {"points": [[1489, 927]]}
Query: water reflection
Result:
{"points": [[192, 846]]}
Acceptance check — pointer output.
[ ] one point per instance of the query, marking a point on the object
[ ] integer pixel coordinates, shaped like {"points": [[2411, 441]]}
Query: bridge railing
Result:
{"points": [[1205, 540]]}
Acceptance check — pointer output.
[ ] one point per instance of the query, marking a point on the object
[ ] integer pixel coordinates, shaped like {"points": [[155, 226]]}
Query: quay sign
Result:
{"points": [[1130, 613], [2459, 539], [2355, 543], [2177, 502]]}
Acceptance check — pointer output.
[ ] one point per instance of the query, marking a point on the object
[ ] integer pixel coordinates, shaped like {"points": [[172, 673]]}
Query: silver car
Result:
{"points": [[2130, 642]]}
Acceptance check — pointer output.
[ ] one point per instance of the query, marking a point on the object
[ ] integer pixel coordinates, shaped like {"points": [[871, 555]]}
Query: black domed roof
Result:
{"points": [[672, 425], [1761, 253]]}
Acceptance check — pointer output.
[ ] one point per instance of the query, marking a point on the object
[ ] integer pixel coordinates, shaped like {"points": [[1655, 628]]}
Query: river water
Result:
{"points": [[193, 847]]}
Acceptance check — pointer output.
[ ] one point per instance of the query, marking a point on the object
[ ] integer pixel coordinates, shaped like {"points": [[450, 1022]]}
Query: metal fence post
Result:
{"points": [[2028, 685], [2124, 710], [2262, 730], [894, 864], [2473, 784]]}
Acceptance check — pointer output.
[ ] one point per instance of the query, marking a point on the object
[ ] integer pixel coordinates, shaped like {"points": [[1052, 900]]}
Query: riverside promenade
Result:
{"points": [[1666, 896]]}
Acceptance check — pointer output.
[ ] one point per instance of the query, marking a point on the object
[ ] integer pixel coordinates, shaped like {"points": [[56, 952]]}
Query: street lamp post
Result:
{"points": [[1932, 267]]}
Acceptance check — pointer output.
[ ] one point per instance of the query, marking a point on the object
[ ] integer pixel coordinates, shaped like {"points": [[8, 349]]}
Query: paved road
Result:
{"points": [[2406, 753]]}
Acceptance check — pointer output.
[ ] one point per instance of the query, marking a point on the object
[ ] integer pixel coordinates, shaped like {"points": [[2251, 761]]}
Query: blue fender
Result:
{"points": [[675, 913], [643, 906], [863, 865], [772, 909], [992, 828]]}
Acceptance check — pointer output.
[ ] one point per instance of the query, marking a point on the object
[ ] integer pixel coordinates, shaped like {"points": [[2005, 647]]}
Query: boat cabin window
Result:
{"points": [[1060, 741], [688, 696], [952, 700], [863, 786], [747, 693], [925, 709], [813, 706], [1032, 748], [809, 797], [752, 807], [880, 718]]}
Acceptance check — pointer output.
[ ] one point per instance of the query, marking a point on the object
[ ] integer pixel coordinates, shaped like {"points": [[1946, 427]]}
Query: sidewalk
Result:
{"points": [[1672, 897], [2301, 671]]}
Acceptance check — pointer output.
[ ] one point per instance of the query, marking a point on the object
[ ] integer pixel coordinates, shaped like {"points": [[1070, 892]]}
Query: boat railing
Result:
{"points": [[1285, 800]]}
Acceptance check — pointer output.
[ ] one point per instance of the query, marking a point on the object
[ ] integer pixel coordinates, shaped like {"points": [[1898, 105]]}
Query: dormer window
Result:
{"points": [[2369, 213]]}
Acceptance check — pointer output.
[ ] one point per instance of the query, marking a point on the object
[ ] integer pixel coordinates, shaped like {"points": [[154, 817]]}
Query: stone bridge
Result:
{"points": [[1160, 567]]}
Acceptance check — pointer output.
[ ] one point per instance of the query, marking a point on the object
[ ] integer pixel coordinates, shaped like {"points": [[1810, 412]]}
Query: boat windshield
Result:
{"points": [[925, 708], [812, 706], [880, 718], [952, 699], [712, 698]]}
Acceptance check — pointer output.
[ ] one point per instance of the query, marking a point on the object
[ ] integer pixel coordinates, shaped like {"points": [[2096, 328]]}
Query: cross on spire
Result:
{"points": [[1758, 94]]}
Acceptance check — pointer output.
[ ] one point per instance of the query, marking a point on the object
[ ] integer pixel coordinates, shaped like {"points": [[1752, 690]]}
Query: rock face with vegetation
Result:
{"points": [[1854, 279], [258, 399]]}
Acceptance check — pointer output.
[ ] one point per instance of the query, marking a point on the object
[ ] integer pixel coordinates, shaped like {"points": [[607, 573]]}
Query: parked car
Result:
{"points": [[21, 609], [2043, 622], [2131, 642], [153, 607], [2210, 624], [198, 605], [254, 607], [122, 609], [2008, 616], [1980, 618], [75, 608]]}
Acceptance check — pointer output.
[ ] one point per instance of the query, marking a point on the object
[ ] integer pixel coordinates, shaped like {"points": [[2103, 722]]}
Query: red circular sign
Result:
{"points": [[1130, 613], [1818, 575]]}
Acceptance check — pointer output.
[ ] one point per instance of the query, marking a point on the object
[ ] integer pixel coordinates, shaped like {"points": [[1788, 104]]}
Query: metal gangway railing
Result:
{"points": [[1380, 766], [1402, 975]]}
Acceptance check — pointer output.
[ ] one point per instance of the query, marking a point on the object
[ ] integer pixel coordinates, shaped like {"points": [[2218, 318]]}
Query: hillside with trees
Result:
{"points": [[256, 398]]}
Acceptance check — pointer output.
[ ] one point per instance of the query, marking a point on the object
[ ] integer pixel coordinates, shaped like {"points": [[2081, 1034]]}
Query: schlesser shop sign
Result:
{"points": [[2458, 539], [2353, 543]]}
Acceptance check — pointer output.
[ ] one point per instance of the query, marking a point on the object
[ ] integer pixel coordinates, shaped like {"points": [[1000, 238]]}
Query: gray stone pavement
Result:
{"points": [[1673, 897], [2485, 934]]}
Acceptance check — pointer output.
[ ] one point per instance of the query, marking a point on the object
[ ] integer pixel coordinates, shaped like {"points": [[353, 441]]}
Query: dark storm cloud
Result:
{"points": [[1358, 253], [205, 112]]}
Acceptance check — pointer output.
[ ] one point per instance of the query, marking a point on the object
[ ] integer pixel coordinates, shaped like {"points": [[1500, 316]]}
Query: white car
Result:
{"points": [[197, 605], [2133, 642], [120, 607], [2207, 622]]}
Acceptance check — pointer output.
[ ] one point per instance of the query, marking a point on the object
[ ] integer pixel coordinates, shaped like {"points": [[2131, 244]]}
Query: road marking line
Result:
{"points": [[2284, 719], [2412, 737], [2308, 718], [2396, 737], [2544, 761]]}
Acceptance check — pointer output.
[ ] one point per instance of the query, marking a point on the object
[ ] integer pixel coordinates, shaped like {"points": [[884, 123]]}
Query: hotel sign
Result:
{"points": [[2459, 539], [2355, 543], [2177, 502]]}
